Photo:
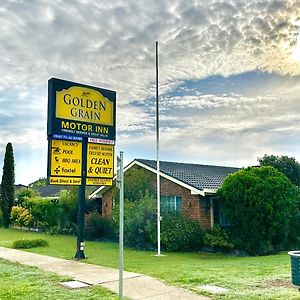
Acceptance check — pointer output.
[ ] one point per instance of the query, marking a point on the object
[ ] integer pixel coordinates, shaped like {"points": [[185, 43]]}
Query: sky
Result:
{"points": [[229, 76]]}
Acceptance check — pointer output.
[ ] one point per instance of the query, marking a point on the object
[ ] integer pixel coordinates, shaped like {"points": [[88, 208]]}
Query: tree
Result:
{"points": [[7, 185], [260, 202], [137, 184], [42, 181], [287, 165], [24, 193]]}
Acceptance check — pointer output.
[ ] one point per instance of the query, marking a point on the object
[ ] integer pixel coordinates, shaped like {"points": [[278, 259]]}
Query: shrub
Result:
{"points": [[54, 216], [24, 193], [44, 212], [180, 233], [140, 227], [260, 203], [137, 184], [26, 244], [67, 211], [21, 216], [292, 237], [1, 219], [218, 239], [139, 223], [97, 227]]}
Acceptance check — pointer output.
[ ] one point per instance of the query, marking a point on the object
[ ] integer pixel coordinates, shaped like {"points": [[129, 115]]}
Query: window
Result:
{"points": [[171, 203], [218, 211]]}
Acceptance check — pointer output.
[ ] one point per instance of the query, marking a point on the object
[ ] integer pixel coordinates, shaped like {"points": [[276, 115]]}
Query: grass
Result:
{"points": [[29, 283], [248, 278]]}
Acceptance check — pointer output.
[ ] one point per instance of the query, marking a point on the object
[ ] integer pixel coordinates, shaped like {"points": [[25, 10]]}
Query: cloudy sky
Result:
{"points": [[229, 75]]}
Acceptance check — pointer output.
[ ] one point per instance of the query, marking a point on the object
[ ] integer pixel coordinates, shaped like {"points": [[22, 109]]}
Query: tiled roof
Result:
{"points": [[50, 190], [19, 186], [54, 190], [198, 176]]}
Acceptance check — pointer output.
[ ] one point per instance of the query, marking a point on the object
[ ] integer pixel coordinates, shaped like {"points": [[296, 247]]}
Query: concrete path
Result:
{"points": [[136, 286]]}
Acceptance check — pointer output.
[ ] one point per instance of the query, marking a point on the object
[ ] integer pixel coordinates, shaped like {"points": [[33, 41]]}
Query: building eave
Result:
{"points": [[210, 191], [100, 190], [194, 191]]}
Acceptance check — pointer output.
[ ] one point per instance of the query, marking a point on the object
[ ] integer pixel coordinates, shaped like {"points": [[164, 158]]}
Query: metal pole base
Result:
{"points": [[79, 255]]}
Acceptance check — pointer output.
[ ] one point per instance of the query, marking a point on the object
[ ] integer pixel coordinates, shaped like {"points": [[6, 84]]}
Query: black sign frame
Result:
{"points": [[54, 123]]}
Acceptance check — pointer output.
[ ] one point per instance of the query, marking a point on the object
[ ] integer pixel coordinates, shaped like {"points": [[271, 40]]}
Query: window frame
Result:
{"points": [[171, 203]]}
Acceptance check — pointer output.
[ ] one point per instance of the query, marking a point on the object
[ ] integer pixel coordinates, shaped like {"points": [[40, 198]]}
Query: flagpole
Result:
{"points": [[157, 156]]}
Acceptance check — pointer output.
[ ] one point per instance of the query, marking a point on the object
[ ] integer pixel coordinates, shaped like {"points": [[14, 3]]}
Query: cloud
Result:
{"points": [[105, 44], [202, 44], [227, 129]]}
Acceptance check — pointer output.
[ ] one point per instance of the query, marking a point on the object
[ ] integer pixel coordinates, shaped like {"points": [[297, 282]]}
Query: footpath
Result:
{"points": [[136, 286]]}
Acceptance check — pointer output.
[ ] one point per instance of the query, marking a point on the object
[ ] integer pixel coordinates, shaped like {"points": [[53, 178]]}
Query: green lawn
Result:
{"points": [[28, 283], [265, 277]]}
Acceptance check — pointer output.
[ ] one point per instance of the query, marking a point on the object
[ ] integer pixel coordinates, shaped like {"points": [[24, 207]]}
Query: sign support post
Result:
{"points": [[121, 227], [81, 206]]}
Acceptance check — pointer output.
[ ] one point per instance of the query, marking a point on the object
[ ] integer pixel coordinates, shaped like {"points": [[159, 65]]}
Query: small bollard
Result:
{"points": [[295, 268]]}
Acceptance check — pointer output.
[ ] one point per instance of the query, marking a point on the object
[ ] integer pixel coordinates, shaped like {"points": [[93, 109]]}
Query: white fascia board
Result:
{"points": [[197, 193], [96, 192], [193, 190], [102, 189], [93, 194], [210, 191], [134, 162]]}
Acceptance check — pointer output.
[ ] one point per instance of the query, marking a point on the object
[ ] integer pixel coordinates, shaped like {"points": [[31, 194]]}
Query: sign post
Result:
{"points": [[120, 182], [81, 209], [81, 136]]}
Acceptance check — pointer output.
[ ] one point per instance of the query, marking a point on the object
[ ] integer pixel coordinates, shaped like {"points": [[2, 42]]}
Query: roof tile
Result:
{"points": [[199, 176]]}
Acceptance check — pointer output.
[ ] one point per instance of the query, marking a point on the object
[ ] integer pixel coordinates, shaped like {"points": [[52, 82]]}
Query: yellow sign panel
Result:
{"points": [[66, 158], [100, 160], [98, 181], [85, 105], [65, 180]]}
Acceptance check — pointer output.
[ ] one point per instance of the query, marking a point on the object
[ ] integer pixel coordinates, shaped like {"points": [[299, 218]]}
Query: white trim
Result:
{"points": [[98, 190], [114, 178], [134, 162], [193, 190], [210, 191]]}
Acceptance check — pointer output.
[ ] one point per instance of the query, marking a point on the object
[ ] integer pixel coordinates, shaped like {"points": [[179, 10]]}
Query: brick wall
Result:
{"points": [[193, 206]]}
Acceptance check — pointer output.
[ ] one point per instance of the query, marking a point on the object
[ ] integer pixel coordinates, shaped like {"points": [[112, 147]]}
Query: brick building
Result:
{"points": [[189, 188]]}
